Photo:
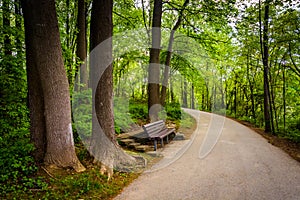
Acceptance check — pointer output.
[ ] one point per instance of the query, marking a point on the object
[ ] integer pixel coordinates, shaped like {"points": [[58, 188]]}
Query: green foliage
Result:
{"points": [[293, 131], [173, 111], [82, 112], [186, 121], [89, 184], [67, 185], [138, 111], [16, 162], [123, 120]]}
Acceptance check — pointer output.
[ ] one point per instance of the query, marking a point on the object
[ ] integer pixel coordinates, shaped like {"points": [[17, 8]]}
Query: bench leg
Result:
{"points": [[155, 145], [162, 142], [167, 139]]}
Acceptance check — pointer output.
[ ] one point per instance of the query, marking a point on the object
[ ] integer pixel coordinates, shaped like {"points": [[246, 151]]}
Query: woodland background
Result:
{"points": [[248, 66]]}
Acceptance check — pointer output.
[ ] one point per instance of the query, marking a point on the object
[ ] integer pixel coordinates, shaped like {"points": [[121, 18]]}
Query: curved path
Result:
{"points": [[242, 165]]}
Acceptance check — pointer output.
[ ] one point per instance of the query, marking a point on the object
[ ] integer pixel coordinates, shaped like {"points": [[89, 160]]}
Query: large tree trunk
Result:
{"points": [[45, 67], [35, 100], [104, 147], [154, 64]]}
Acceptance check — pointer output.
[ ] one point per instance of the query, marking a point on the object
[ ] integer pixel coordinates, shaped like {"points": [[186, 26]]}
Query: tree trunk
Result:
{"points": [[250, 87], [172, 96], [18, 22], [154, 63], [104, 146], [192, 97], [169, 56], [6, 26], [184, 94], [81, 44], [35, 99], [44, 53], [265, 58], [284, 96], [235, 97]]}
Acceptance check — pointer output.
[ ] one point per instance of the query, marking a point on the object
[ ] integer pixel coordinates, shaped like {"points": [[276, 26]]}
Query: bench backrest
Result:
{"points": [[154, 128]]}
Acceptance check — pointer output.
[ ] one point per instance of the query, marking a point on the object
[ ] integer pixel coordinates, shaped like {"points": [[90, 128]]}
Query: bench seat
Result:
{"points": [[158, 131]]}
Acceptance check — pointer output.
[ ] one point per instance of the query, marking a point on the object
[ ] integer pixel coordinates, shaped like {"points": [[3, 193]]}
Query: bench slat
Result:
{"points": [[157, 130]]}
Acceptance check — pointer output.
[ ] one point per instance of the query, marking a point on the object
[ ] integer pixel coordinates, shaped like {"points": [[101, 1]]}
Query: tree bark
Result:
{"points": [[104, 146], [184, 94], [154, 63], [265, 58], [192, 97], [284, 98], [45, 63], [81, 44], [163, 92], [6, 26]]}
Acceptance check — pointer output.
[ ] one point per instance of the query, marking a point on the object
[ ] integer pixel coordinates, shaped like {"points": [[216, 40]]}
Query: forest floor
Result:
{"points": [[91, 184], [290, 147]]}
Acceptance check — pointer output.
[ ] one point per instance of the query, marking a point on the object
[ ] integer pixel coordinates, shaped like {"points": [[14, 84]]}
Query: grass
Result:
{"points": [[66, 184]]}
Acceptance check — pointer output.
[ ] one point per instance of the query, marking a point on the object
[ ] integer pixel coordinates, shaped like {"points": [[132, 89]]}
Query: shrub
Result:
{"points": [[16, 163], [122, 116], [138, 111], [173, 111]]}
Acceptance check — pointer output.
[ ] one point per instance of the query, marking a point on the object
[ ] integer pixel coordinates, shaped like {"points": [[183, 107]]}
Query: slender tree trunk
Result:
{"points": [[235, 97], [18, 22], [284, 100], [154, 63], [81, 43], [265, 57], [192, 97], [251, 89], [169, 55], [45, 53], [171, 91], [208, 102], [6, 26], [274, 121], [184, 94], [203, 98]]}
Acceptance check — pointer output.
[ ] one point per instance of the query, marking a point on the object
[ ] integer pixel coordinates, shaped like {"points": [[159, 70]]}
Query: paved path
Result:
{"points": [[242, 165]]}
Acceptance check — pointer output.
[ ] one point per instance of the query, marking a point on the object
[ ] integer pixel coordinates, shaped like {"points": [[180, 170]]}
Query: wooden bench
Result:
{"points": [[158, 131]]}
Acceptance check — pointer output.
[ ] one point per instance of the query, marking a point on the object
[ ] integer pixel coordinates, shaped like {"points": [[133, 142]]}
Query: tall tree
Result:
{"points": [[169, 54], [6, 25], [154, 63], [264, 40], [48, 86], [104, 146], [81, 42]]}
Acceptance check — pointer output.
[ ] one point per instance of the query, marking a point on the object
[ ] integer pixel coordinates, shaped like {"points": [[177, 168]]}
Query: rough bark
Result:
{"points": [[154, 63], [104, 147], [36, 104], [43, 42]]}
